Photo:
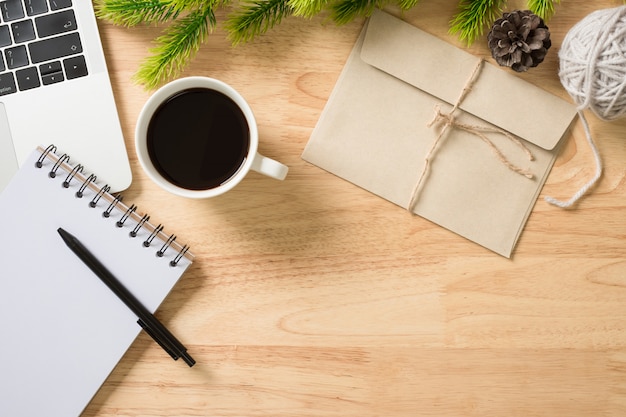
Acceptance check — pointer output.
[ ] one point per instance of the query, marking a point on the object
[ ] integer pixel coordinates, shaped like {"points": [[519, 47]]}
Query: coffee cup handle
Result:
{"points": [[270, 167]]}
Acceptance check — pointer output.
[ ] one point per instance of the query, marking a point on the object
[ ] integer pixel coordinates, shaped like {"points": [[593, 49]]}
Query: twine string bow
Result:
{"points": [[449, 121]]}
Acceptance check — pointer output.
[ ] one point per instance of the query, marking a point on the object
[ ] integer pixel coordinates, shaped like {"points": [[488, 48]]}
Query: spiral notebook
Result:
{"points": [[63, 330]]}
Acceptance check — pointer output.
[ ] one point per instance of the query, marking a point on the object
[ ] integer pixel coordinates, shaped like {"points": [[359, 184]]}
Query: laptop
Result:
{"points": [[55, 89]]}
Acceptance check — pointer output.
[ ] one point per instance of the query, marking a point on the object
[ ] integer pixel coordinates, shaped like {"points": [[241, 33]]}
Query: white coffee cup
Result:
{"points": [[189, 110]]}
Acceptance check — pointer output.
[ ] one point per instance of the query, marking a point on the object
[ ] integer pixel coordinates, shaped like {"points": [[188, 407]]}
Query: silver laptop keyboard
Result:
{"points": [[39, 44]]}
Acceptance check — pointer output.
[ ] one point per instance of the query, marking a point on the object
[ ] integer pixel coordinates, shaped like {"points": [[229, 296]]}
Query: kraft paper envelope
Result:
{"points": [[375, 133]]}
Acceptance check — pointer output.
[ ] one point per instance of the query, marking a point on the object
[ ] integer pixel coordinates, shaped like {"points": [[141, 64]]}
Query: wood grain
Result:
{"points": [[312, 297]]}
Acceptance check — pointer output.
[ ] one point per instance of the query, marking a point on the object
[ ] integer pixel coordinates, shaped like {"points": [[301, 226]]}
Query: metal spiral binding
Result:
{"points": [[94, 201], [126, 215], [77, 168], [179, 256], [108, 211], [166, 245], [154, 233], [64, 158], [44, 155], [89, 180], [139, 225]]}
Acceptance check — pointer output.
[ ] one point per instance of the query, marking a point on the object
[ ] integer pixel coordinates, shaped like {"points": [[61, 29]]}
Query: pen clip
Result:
{"points": [[156, 339]]}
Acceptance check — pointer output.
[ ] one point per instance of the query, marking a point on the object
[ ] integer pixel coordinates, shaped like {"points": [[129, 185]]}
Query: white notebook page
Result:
{"points": [[63, 330]]}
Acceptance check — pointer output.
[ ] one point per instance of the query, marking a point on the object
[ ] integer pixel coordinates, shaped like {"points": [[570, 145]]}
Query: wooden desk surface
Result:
{"points": [[312, 297]]}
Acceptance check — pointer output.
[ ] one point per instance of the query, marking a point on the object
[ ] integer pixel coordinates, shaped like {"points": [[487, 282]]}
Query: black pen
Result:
{"points": [[146, 320]]}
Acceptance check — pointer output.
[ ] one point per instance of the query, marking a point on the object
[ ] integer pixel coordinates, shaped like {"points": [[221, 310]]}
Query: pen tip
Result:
{"points": [[65, 235]]}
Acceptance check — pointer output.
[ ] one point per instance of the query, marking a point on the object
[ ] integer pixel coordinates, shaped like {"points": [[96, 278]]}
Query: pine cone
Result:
{"points": [[519, 39]]}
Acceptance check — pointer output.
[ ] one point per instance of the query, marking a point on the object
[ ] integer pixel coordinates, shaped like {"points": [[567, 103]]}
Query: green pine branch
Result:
{"points": [[407, 4], [189, 22], [176, 47], [307, 8], [135, 12], [474, 17], [344, 11], [543, 8], [255, 17]]}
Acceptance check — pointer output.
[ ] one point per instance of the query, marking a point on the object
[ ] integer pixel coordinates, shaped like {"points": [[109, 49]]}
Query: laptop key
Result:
{"points": [[5, 36], [35, 7], [55, 23], [60, 4], [50, 67], [27, 78], [11, 10], [51, 72], [75, 67], [23, 31], [16, 57], [7, 84], [55, 77], [54, 48]]}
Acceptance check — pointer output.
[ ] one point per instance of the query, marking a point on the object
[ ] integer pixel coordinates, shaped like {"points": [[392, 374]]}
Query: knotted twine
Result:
{"points": [[449, 120], [593, 71]]}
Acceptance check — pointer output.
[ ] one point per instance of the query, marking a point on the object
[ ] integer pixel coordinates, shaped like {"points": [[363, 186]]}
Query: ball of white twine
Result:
{"points": [[593, 63], [593, 71]]}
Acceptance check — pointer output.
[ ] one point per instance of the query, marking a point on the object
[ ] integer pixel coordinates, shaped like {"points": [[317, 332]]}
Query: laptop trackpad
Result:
{"points": [[8, 161]]}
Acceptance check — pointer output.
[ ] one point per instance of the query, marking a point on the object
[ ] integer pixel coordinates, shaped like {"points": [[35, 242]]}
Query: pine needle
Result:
{"points": [[176, 47], [307, 8], [255, 18], [189, 4], [134, 12], [473, 17], [407, 4], [344, 11], [542, 8]]}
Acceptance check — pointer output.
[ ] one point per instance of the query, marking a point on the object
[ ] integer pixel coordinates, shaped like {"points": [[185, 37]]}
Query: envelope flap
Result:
{"points": [[443, 70]]}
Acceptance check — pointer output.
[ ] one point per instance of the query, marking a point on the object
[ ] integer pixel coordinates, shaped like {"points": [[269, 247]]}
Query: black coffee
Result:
{"points": [[198, 138]]}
